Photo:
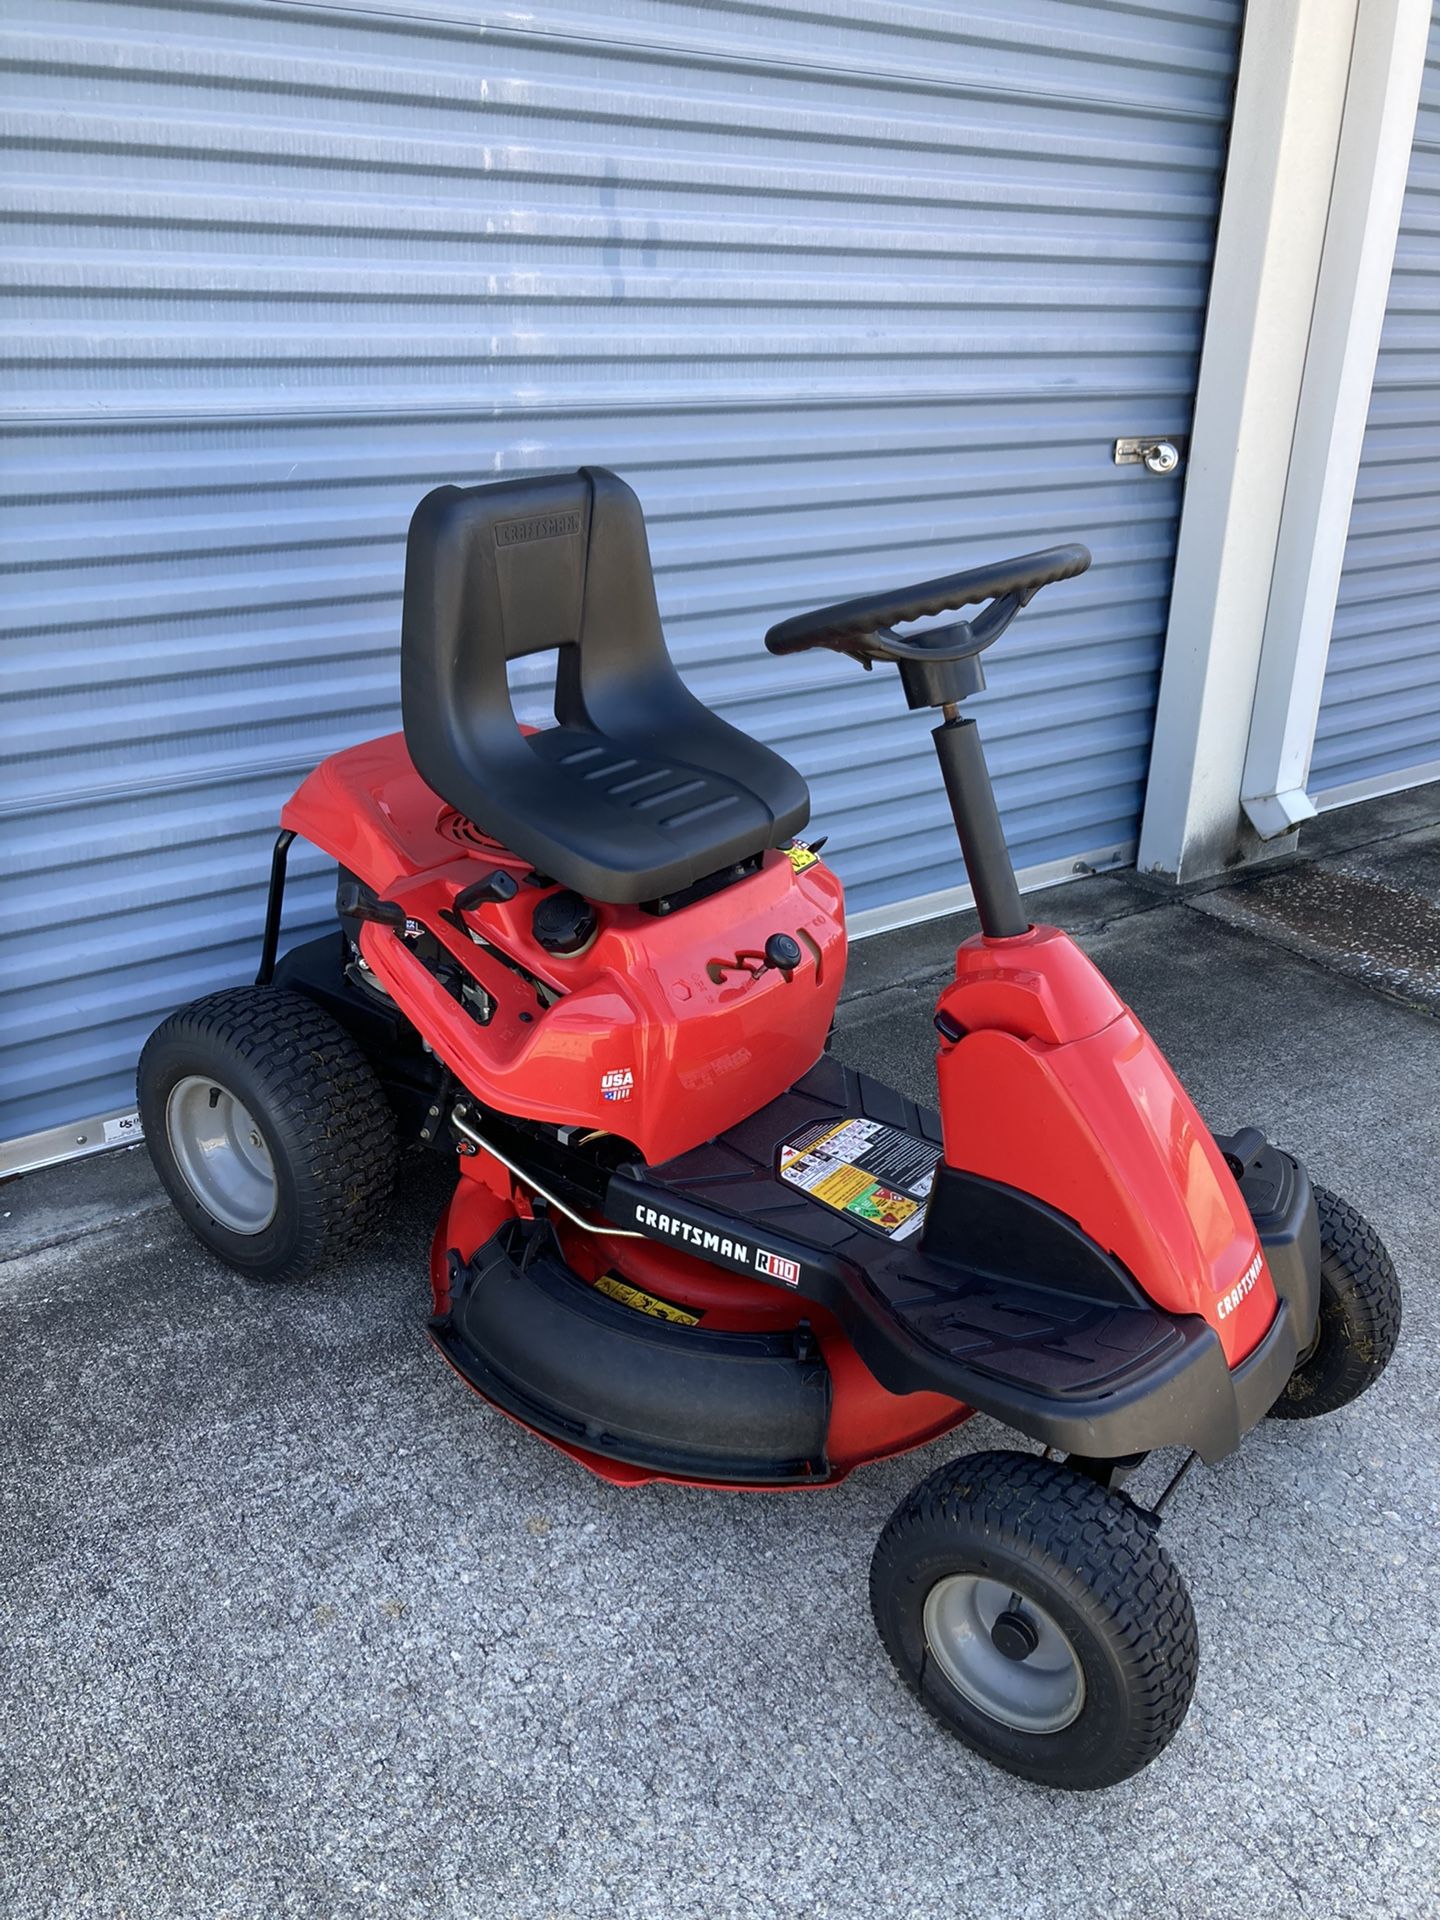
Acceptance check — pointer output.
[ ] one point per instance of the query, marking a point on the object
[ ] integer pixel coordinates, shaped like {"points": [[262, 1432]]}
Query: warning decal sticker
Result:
{"points": [[615, 1288], [878, 1175]]}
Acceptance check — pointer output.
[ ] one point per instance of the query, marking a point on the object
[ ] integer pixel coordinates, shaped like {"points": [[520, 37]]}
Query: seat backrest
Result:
{"points": [[519, 567], [639, 790]]}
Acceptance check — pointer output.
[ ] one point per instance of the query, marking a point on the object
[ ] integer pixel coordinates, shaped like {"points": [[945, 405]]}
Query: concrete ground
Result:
{"points": [[295, 1626]]}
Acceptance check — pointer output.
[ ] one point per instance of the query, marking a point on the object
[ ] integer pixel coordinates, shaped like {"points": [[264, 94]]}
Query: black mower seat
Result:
{"points": [[639, 791]]}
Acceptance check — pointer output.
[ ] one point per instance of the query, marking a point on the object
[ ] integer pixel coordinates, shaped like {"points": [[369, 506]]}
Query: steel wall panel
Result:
{"points": [[1379, 720], [851, 293]]}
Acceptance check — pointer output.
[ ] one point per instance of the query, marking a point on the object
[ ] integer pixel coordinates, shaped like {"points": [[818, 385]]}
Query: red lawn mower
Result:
{"points": [[594, 962]]}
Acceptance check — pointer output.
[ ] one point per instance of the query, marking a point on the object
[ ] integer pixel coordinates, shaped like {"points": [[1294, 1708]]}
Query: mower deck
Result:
{"points": [[674, 1400]]}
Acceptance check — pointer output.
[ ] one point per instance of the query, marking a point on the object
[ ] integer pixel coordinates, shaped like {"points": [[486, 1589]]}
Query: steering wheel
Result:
{"points": [[863, 628]]}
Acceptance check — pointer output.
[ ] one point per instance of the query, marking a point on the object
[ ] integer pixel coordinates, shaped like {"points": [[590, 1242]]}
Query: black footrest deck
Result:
{"points": [[1032, 1336], [1008, 1307]]}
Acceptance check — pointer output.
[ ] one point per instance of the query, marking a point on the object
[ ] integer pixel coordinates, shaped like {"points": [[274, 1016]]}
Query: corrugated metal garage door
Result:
{"points": [[851, 292], [1379, 727]]}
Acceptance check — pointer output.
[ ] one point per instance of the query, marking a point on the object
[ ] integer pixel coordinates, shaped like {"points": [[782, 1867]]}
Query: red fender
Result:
{"points": [[1054, 1087]]}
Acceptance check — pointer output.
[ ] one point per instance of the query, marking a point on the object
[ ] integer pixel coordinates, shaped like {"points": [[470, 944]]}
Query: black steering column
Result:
{"points": [[940, 667]]}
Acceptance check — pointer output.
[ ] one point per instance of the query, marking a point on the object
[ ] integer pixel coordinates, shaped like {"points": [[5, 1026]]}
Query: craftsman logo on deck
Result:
{"points": [[734, 1251], [544, 526], [777, 1269], [617, 1084]]}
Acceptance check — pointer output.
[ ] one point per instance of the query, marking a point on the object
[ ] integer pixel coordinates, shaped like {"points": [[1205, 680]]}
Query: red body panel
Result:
{"points": [[648, 1039], [1057, 1089]]}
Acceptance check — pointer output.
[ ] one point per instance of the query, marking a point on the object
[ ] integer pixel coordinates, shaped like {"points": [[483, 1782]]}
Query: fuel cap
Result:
{"points": [[563, 922]]}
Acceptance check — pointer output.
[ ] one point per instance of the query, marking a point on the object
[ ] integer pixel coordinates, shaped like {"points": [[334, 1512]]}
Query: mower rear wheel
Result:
{"points": [[1037, 1616], [1359, 1320], [268, 1129]]}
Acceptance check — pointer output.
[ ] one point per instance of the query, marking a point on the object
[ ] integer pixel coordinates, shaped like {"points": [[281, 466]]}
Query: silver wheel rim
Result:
{"points": [[221, 1154], [1040, 1692]]}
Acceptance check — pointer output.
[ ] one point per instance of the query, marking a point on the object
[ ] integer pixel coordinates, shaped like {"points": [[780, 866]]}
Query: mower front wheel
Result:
{"points": [[1359, 1319], [1037, 1617], [268, 1129]]}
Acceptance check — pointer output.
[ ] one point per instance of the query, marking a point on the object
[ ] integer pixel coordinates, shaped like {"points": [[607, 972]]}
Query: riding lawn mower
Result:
{"points": [[596, 965]]}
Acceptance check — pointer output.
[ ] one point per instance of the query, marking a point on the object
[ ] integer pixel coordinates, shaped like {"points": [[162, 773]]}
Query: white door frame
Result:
{"points": [[1320, 147]]}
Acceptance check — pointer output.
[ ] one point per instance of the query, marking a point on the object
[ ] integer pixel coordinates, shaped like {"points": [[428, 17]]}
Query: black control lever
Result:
{"points": [[492, 887], [356, 902], [782, 952]]}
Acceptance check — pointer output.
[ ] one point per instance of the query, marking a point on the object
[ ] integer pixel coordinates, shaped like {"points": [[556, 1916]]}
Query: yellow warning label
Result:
{"points": [[617, 1289], [842, 1186], [853, 1190], [873, 1172], [801, 857]]}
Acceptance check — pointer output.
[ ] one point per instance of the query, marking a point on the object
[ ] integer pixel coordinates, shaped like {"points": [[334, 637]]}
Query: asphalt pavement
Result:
{"points": [[293, 1625]]}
